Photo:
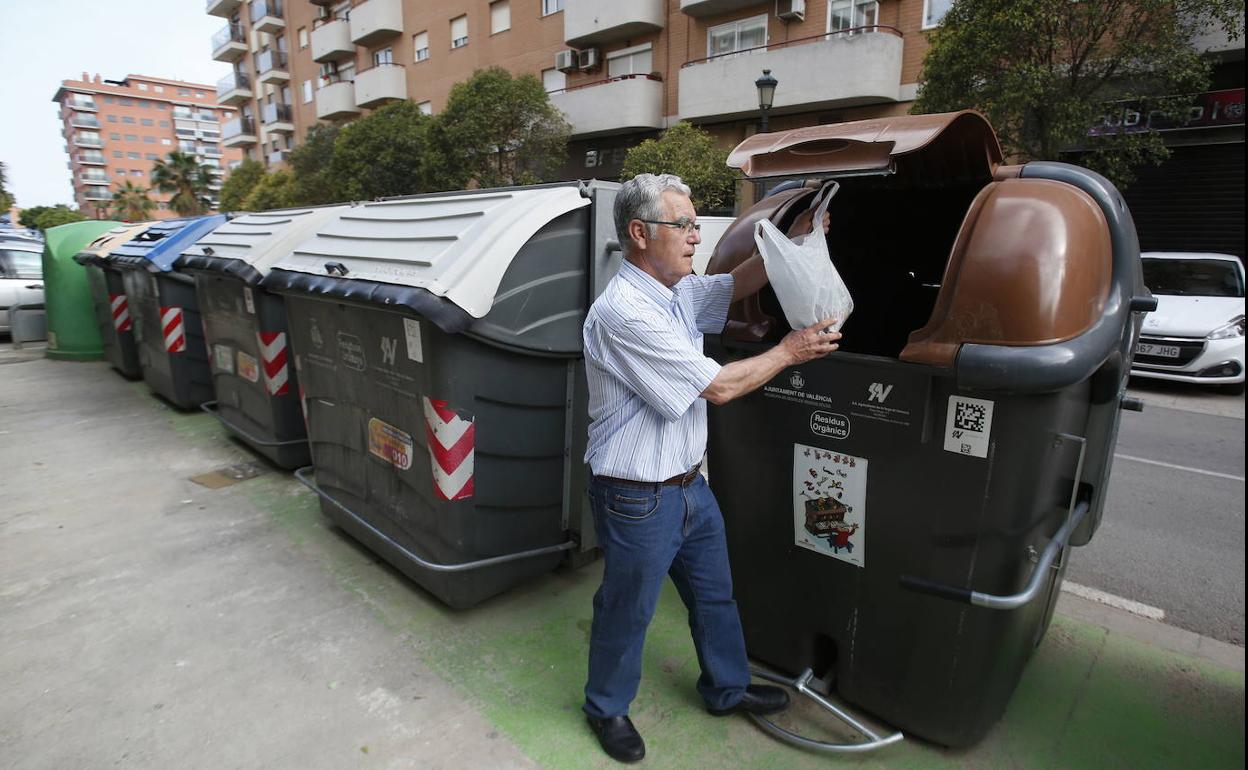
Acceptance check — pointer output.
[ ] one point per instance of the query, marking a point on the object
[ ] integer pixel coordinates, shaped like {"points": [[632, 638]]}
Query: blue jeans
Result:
{"points": [[647, 531]]}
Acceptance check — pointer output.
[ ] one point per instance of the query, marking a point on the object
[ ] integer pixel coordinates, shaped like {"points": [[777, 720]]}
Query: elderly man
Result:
{"points": [[648, 387]]}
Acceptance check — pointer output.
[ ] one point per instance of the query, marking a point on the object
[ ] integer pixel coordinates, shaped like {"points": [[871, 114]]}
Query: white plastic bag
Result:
{"points": [[801, 271]]}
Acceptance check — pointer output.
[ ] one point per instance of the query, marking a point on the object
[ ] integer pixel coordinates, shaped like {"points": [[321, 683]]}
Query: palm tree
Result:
{"points": [[130, 202], [188, 180]]}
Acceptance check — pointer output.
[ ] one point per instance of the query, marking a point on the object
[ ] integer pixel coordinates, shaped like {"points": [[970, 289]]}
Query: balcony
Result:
{"points": [[713, 7], [266, 16], [276, 118], [867, 66], [593, 22], [336, 100], [87, 141], [96, 178], [86, 104], [380, 84], [234, 89], [332, 40], [375, 20], [278, 156], [223, 8], [78, 120], [91, 158], [618, 105], [97, 194], [239, 132], [229, 44], [271, 67], [211, 152]]}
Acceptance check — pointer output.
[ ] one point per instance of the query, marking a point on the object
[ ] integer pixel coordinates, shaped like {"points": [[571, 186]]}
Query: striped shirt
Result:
{"points": [[646, 372]]}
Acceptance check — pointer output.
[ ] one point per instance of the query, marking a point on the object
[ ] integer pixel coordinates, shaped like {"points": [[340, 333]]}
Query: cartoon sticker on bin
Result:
{"points": [[829, 503]]}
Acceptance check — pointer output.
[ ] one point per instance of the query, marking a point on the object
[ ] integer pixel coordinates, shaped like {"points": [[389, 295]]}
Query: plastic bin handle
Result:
{"points": [[802, 685], [301, 476], [1013, 601], [211, 408]]}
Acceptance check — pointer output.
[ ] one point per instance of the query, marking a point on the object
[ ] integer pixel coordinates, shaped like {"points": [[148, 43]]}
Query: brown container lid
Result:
{"points": [[955, 139], [1031, 266]]}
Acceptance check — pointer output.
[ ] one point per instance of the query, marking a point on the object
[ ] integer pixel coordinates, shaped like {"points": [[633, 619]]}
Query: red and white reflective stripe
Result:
{"points": [[121, 312], [451, 454], [171, 327], [273, 354]]}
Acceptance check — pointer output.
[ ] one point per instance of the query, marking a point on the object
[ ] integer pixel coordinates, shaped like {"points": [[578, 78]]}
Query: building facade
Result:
{"points": [[115, 131], [620, 71]]}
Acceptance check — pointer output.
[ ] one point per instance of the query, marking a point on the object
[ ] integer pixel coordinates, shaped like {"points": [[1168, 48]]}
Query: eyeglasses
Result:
{"points": [[685, 224]]}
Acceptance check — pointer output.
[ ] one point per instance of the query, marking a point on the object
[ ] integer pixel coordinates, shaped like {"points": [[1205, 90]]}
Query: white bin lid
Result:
{"points": [[454, 246], [262, 238]]}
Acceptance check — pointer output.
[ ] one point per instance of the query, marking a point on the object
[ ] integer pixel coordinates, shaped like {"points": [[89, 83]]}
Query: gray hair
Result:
{"points": [[642, 198]]}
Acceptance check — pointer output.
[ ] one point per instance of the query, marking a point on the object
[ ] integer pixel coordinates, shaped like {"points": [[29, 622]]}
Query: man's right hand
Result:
{"points": [[813, 342]]}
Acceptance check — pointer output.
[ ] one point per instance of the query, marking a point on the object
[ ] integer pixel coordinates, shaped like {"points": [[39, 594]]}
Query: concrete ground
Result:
{"points": [[153, 622]]}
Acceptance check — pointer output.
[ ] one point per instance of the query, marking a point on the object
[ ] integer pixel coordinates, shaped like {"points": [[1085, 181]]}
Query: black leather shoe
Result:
{"points": [[619, 738], [758, 699]]}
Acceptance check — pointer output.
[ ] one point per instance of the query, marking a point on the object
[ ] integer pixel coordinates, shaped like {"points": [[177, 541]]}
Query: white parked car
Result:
{"points": [[21, 267], [1196, 334]]}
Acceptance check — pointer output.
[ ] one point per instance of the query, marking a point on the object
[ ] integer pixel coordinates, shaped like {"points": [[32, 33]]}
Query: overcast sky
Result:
{"points": [[43, 42]]}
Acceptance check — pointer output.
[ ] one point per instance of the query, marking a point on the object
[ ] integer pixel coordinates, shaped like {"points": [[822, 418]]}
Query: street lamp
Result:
{"points": [[766, 86]]}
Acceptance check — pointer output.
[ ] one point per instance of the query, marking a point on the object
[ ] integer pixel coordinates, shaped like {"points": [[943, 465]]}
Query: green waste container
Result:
{"points": [[72, 332]]}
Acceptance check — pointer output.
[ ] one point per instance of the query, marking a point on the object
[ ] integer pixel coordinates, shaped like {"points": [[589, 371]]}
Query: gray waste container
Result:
{"points": [[898, 512], [257, 391], [438, 342], [108, 296], [165, 310]]}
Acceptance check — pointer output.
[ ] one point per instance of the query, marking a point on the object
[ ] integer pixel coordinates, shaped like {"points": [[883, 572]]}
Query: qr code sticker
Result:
{"points": [[969, 417]]}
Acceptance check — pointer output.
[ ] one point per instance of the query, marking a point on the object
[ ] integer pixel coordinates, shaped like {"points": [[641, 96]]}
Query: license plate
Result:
{"points": [[1165, 351]]}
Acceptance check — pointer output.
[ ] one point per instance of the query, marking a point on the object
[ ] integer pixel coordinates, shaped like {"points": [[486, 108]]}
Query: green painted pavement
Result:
{"points": [[1089, 698]]}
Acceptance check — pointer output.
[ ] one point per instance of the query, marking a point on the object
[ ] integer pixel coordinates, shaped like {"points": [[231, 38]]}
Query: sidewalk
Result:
{"points": [[152, 622]]}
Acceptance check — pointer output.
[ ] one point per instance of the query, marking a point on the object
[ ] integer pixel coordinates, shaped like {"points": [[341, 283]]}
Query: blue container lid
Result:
{"points": [[159, 245]]}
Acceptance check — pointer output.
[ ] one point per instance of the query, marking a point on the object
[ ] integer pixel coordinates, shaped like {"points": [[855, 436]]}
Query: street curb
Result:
{"points": [[1151, 632]]}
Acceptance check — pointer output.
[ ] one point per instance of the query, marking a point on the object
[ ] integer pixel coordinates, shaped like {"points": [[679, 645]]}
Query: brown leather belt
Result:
{"points": [[683, 479]]}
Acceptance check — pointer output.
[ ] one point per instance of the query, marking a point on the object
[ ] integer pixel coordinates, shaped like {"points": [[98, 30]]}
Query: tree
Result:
{"points": [[239, 184], [6, 198], [380, 154], [275, 190], [496, 130], [310, 162], [690, 153], [184, 176], [44, 217], [130, 202], [1044, 72]]}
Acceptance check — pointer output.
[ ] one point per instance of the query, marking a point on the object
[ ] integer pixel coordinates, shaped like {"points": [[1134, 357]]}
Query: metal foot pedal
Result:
{"points": [[802, 685]]}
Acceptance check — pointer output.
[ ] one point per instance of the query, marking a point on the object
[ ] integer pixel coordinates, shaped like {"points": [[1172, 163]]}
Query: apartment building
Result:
{"points": [[115, 131], [620, 71]]}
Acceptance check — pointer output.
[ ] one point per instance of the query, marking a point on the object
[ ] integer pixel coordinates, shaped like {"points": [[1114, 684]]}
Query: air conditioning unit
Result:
{"points": [[587, 59], [565, 61], [791, 10]]}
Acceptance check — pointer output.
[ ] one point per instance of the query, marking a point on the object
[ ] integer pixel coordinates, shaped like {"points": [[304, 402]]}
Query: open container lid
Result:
{"points": [[247, 246], [158, 246], [962, 140], [98, 251], [455, 246]]}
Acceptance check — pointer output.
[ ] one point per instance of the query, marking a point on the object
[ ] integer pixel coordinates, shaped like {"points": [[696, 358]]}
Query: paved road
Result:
{"points": [[1173, 537]]}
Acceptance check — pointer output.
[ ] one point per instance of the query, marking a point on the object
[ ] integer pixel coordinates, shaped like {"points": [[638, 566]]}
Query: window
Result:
{"points": [[426, 108], [199, 94], [500, 16], [166, 142], [554, 80], [934, 11], [149, 140], [183, 92], [420, 44], [302, 36], [116, 137], [161, 106], [307, 91], [630, 61], [136, 172], [132, 137], [160, 89], [459, 32], [112, 118], [109, 100], [119, 171], [118, 154], [164, 124], [142, 86], [736, 36], [127, 119], [551, 6], [133, 155], [147, 122], [145, 104], [851, 14], [149, 156], [384, 56], [124, 102]]}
